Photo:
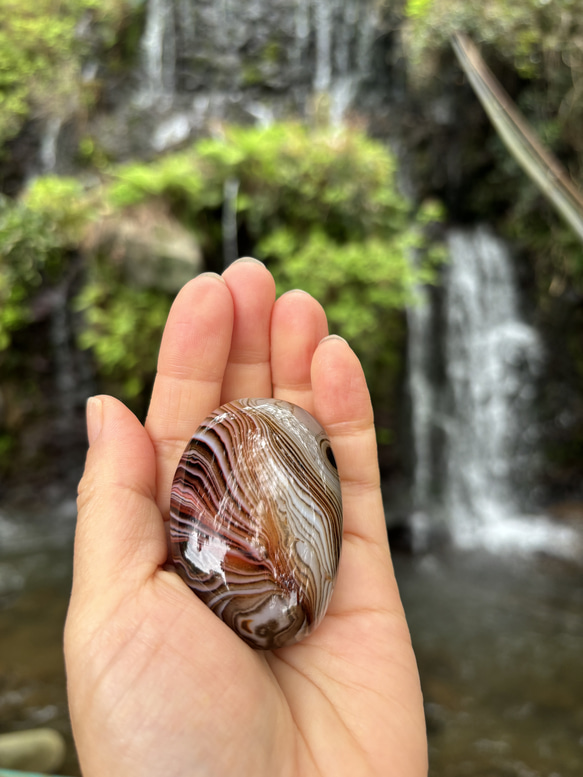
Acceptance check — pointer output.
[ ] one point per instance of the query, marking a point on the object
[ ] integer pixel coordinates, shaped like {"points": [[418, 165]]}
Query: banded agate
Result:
{"points": [[256, 519]]}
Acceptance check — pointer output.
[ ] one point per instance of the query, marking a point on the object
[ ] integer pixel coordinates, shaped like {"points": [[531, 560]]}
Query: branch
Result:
{"points": [[537, 161]]}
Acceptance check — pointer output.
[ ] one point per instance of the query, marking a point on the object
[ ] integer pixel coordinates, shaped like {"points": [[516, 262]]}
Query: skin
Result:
{"points": [[158, 685]]}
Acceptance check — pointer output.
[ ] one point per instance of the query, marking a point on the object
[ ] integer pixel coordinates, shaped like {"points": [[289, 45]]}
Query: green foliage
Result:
{"points": [[41, 53], [531, 34], [284, 171], [25, 247], [360, 284], [28, 249], [542, 42], [320, 207], [326, 216], [174, 177], [122, 328], [63, 203], [418, 9], [35, 236]]}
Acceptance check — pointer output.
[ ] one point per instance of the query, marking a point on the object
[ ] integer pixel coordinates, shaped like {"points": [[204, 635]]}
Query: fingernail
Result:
{"points": [[214, 275], [333, 337], [94, 411], [296, 291], [248, 259]]}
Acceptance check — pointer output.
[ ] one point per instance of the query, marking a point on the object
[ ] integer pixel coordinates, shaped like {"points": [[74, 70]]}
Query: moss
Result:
{"points": [[42, 54], [272, 52], [251, 75]]}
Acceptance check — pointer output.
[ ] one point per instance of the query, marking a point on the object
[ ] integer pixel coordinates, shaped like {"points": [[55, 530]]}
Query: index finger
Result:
{"points": [[191, 365]]}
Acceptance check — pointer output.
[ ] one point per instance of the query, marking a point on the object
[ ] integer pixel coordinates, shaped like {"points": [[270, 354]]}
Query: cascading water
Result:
{"points": [[472, 383], [49, 142], [158, 53], [492, 359], [203, 61], [343, 44]]}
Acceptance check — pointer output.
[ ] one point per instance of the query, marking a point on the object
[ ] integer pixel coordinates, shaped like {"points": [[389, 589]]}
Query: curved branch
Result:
{"points": [[536, 160]]}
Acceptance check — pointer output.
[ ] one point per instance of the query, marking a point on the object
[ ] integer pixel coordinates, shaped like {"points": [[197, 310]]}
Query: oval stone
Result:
{"points": [[256, 519]]}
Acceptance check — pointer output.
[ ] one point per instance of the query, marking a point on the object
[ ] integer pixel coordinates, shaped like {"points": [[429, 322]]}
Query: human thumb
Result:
{"points": [[120, 531]]}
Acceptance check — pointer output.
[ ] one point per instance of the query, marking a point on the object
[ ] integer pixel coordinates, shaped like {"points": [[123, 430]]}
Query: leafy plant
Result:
{"points": [[41, 55], [36, 234], [529, 34], [28, 250], [321, 207], [122, 329]]}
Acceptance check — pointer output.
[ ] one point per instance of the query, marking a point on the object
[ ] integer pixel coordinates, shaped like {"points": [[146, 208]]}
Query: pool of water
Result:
{"points": [[35, 581], [499, 641]]}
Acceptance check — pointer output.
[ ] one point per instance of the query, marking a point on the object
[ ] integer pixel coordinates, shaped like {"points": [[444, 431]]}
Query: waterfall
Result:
{"points": [[301, 31], [203, 61], [323, 22], [186, 23], [344, 38], [473, 367], [492, 360], [72, 370], [421, 392], [48, 154], [158, 53]]}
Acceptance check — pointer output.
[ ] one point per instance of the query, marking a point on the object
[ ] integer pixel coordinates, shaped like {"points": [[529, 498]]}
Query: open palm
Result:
{"points": [[158, 685]]}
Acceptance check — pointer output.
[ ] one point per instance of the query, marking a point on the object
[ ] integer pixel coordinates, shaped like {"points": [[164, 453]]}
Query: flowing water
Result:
{"points": [[474, 363], [210, 61], [491, 358], [497, 618], [35, 581], [48, 151], [158, 54], [499, 642]]}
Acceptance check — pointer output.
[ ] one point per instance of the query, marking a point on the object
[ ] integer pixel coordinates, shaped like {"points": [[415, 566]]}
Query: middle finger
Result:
{"points": [[248, 370]]}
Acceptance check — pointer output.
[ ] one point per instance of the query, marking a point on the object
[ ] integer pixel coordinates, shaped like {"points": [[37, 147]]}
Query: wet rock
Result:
{"points": [[569, 511], [40, 750], [153, 249]]}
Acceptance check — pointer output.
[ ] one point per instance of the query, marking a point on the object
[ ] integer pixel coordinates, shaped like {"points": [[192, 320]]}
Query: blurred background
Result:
{"points": [[346, 144]]}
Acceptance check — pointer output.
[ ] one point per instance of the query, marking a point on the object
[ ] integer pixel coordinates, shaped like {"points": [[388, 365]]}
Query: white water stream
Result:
{"points": [[472, 380], [327, 43], [158, 53], [344, 40]]}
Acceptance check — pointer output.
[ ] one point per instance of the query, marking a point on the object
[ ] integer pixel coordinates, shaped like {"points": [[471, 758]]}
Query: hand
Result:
{"points": [[158, 685]]}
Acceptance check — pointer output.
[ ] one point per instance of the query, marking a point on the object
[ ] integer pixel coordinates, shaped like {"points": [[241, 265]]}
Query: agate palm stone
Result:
{"points": [[256, 519]]}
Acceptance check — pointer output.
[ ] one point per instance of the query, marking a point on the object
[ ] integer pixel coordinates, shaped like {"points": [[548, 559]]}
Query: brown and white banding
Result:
{"points": [[256, 519]]}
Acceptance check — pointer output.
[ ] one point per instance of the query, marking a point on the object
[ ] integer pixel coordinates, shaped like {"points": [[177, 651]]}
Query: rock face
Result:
{"points": [[39, 750], [153, 248], [202, 62]]}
